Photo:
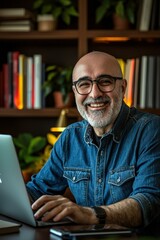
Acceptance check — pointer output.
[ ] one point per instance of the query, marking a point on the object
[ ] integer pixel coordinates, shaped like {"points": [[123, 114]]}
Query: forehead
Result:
{"points": [[93, 67]]}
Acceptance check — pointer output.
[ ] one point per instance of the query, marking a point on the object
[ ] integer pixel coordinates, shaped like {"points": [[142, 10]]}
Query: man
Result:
{"points": [[110, 161]]}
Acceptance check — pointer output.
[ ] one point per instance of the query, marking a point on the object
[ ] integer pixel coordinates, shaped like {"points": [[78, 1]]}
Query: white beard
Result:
{"points": [[101, 118]]}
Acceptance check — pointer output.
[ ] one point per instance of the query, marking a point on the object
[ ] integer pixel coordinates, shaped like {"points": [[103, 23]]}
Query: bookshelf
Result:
{"points": [[72, 43]]}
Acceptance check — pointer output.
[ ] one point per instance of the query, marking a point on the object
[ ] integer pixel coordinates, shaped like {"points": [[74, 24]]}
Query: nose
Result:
{"points": [[95, 91]]}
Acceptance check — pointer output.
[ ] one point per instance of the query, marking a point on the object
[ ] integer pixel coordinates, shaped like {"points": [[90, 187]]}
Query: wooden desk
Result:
{"points": [[30, 233]]}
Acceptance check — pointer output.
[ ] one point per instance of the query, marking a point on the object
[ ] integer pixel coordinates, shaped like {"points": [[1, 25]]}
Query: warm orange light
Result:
{"points": [[57, 129], [111, 39]]}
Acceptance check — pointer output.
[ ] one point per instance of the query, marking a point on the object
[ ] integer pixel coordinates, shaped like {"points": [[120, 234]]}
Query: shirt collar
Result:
{"points": [[117, 129]]}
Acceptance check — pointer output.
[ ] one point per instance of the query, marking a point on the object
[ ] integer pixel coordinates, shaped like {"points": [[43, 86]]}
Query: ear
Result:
{"points": [[74, 89]]}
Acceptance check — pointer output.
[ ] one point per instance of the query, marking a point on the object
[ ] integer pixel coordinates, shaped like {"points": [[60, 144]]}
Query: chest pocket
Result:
{"points": [[78, 182], [120, 182]]}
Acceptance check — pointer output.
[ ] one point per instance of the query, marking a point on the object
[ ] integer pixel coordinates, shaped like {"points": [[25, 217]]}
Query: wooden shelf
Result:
{"points": [[131, 34], [36, 35], [46, 112], [74, 34]]}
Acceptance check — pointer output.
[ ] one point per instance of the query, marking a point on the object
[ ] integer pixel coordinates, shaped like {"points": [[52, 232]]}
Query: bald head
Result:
{"points": [[95, 63]]}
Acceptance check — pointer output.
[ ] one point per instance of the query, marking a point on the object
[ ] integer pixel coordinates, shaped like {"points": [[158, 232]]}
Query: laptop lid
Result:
{"points": [[14, 200]]}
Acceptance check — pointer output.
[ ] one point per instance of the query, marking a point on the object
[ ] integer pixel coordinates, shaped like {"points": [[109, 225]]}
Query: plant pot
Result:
{"points": [[46, 23], [120, 23], [27, 173], [58, 100]]}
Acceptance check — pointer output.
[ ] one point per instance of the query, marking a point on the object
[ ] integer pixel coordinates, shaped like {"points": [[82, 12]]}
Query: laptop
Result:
{"points": [[14, 200]]}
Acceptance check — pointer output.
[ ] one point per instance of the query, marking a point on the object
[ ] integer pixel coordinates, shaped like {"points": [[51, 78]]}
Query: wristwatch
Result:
{"points": [[100, 214]]}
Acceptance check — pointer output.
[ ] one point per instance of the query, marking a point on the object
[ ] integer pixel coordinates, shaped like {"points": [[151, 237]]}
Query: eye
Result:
{"points": [[105, 81], [83, 84]]}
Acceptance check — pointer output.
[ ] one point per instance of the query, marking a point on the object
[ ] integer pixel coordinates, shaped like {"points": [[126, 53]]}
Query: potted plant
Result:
{"points": [[59, 82], [64, 9], [30, 152], [123, 9]]}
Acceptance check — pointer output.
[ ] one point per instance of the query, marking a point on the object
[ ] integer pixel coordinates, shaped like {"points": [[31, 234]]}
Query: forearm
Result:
{"points": [[126, 212]]}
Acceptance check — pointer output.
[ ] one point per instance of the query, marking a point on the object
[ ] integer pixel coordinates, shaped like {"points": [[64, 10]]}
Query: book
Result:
{"points": [[122, 65], [29, 65], [154, 15], [37, 59], [15, 23], [126, 76], [6, 85], [136, 82], [10, 78], [15, 28], [143, 81], [150, 88], [131, 82], [21, 78], [1, 89], [145, 15], [15, 56], [8, 227], [14, 12]]}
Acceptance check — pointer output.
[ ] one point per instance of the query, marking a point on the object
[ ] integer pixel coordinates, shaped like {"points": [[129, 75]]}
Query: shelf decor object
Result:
{"points": [[62, 9]]}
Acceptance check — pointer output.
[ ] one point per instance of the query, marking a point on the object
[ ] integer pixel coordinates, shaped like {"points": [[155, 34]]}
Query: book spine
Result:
{"points": [[10, 79], [6, 85], [37, 58], [21, 82], [15, 57], [29, 61], [143, 81], [1, 89], [145, 15]]}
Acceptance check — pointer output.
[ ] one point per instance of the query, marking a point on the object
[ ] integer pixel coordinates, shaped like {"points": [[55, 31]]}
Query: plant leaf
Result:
{"points": [[23, 140], [36, 144]]}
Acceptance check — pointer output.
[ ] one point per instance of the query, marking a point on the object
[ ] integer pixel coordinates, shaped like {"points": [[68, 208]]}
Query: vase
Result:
{"points": [[59, 102], [120, 23], [46, 22]]}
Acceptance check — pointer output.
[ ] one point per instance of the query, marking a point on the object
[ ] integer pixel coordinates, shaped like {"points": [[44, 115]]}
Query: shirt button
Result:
{"points": [[99, 180], [74, 178], [118, 179]]}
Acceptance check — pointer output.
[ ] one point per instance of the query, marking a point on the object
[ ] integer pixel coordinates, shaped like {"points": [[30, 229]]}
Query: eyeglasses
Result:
{"points": [[105, 83]]}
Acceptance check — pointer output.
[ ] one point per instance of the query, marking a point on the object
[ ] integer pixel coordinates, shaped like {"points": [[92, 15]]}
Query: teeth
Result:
{"points": [[97, 104]]}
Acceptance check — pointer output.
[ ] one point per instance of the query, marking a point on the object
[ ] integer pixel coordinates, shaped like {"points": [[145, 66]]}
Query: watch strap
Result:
{"points": [[100, 214]]}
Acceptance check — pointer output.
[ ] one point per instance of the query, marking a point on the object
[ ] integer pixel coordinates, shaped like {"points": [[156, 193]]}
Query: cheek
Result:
{"points": [[79, 98]]}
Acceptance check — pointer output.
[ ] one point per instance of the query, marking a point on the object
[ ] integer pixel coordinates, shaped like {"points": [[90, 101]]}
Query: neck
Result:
{"points": [[101, 131]]}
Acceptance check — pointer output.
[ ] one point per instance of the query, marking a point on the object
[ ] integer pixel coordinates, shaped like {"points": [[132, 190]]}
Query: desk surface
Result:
{"points": [[30, 233]]}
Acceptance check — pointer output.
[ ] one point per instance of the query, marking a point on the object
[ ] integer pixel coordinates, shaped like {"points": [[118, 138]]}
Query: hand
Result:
{"points": [[58, 207]]}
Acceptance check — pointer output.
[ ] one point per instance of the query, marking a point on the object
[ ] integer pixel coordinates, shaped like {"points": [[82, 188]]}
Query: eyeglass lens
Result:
{"points": [[105, 84]]}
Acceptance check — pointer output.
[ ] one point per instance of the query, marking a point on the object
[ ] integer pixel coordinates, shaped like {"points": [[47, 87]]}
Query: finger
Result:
{"points": [[42, 200], [43, 210], [50, 209]]}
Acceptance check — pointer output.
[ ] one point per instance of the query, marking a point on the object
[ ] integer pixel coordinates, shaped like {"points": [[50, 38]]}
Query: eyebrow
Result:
{"points": [[88, 78]]}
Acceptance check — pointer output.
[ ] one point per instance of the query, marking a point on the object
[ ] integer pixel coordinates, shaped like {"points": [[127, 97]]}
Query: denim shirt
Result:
{"points": [[126, 164]]}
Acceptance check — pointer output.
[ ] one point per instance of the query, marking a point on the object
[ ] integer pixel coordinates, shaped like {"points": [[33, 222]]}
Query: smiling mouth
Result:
{"points": [[98, 105]]}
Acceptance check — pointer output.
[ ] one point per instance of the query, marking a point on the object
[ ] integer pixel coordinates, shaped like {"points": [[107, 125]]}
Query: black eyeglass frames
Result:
{"points": [[105, 83]]}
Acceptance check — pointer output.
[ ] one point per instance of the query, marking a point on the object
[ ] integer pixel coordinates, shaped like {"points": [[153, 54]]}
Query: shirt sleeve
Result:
{"points": [[146, 187]]}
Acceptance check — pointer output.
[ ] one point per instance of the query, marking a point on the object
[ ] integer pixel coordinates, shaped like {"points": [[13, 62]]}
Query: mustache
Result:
{"points": [[90, 100]]}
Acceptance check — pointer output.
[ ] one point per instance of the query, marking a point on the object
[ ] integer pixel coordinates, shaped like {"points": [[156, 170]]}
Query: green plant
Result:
{"points": [[124, 8], [63, 9], [58, 79], [29, 149]]}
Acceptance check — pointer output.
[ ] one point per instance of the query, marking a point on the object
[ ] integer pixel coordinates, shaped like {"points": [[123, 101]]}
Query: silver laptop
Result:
{"points": [[14, 200]]}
